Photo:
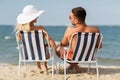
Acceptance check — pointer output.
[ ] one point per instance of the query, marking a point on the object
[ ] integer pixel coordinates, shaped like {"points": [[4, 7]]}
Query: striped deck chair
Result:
{"points": [[85, 50], [32, 48]]}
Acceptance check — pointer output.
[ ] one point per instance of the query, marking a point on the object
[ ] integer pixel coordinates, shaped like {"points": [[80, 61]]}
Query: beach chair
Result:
{"points": [[85, 51], [32, 49]]}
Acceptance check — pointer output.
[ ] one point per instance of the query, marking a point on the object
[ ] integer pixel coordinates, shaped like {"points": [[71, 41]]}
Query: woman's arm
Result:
{"points": [[51, 41]]}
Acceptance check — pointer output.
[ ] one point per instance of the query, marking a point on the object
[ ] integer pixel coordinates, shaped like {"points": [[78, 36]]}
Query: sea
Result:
{"points": [[109, 54]]}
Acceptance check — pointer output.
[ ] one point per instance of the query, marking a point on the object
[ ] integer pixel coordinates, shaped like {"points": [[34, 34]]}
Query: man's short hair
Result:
{"points": [[79, 13]]}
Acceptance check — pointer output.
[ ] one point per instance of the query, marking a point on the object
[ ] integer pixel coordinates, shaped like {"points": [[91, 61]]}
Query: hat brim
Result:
{"points": [[23, 19]]}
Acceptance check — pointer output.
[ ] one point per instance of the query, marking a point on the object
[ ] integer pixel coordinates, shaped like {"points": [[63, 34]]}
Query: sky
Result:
{"points": [[99, 12]]}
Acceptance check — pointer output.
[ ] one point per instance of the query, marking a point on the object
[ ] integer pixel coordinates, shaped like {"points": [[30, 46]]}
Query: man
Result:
{"points": [[77, 18]]}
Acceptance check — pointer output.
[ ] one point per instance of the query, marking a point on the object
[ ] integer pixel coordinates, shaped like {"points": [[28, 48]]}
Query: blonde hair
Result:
{"points": [[21, 27]]}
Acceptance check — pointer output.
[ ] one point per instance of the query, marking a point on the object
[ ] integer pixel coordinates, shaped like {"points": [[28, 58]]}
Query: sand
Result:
{"points": [[10, 72]]}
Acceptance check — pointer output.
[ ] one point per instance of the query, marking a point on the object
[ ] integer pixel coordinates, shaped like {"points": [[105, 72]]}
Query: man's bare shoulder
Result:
{"points": [[70, 27], [92, 29]]}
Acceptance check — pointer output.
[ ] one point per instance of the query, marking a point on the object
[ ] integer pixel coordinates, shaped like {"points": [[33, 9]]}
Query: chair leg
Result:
{"points": [[19, 70], [25, 67], [88, 67], [58, 67], [97, 70], [52, 68], [64, 68]]}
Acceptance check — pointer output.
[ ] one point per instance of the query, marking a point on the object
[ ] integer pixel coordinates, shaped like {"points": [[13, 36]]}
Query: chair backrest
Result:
{"points": [[33, 45], [85, 46]]}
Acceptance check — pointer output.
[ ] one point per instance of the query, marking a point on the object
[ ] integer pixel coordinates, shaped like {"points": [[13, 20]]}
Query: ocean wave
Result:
{"points": [[109, 59], [7, 37], [57, 42]]}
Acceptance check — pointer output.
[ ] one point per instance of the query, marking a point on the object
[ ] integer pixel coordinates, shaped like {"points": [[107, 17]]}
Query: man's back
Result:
{"points": [[71, 30]]}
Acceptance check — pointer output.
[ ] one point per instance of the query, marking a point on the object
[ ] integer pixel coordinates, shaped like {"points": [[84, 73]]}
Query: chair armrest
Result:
{"points": [[20, 46], [52, 51]]}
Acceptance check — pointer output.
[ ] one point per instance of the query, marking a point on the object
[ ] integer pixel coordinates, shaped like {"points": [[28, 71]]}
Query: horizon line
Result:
{"points": [[67, 25]]}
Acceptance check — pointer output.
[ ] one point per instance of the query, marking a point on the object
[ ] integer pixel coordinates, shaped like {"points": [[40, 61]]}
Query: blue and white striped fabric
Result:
{"points": [[85, 47], [33, 45]]}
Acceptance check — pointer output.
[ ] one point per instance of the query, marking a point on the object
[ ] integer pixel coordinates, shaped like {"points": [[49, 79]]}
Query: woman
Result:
{"points": [[25, 22]]}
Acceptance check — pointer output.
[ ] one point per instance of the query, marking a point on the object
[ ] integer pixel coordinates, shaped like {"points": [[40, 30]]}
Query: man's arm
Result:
{"points": [[64, 41]]}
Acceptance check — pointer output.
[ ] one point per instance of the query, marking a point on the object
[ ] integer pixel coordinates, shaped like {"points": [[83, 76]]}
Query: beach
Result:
{"points": [[108, 57], [58, 16], [10, 72], [55, 20]]}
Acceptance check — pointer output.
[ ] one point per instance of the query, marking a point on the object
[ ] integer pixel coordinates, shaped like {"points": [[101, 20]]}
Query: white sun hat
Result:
{"points": [[29, 14]]}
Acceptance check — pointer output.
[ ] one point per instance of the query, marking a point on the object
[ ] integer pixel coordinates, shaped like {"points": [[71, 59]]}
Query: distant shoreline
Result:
{"points": [[99, 25]]}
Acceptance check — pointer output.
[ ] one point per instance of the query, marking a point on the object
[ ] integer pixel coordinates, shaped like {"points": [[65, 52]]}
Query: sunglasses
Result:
{"points": [[69, 17]]}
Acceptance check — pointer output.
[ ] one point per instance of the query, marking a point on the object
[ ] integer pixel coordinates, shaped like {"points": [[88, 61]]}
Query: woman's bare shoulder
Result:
{"points": [[40, 27]]}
